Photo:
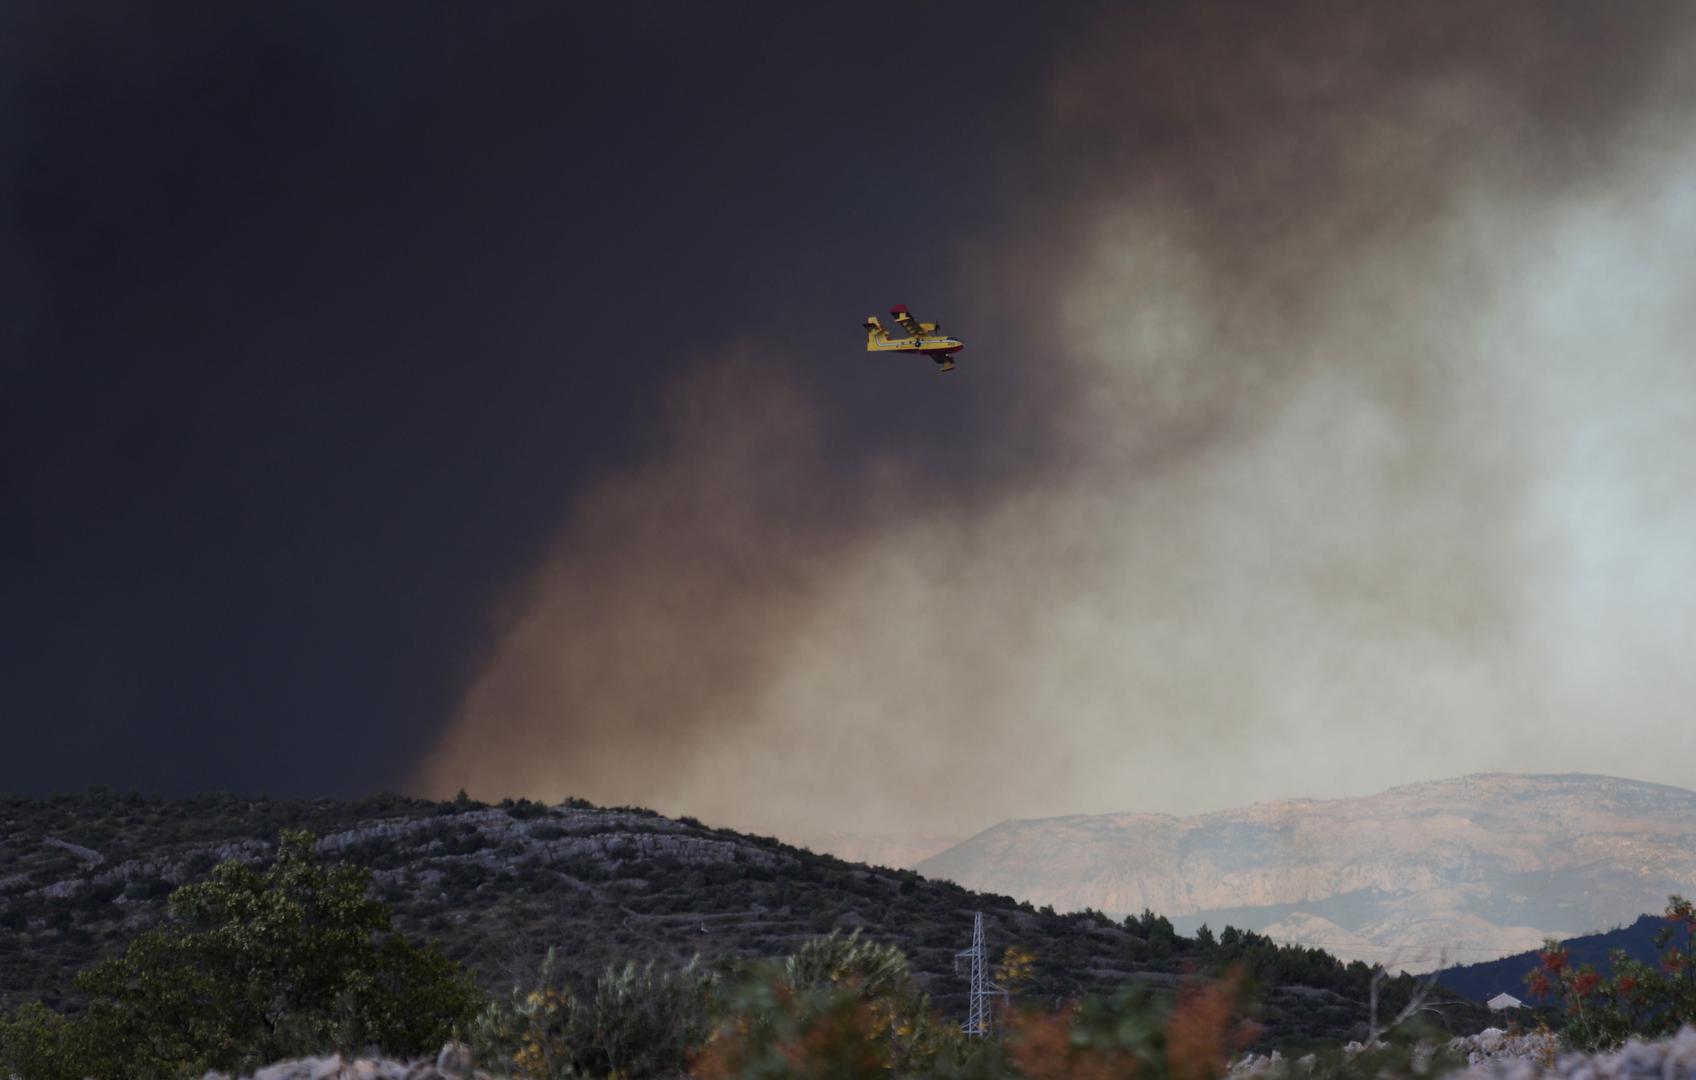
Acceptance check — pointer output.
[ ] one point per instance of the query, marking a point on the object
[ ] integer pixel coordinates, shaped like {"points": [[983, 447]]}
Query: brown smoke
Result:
{"points": [[1361, 341]]}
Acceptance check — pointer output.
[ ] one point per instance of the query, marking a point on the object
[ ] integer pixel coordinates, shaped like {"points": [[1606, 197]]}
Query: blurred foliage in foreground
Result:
{"points": [[842, 1008]]}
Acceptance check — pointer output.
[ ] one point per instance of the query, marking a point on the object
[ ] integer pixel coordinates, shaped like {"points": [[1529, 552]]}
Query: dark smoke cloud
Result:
{"points": [[315, 317], [1355, 339]]}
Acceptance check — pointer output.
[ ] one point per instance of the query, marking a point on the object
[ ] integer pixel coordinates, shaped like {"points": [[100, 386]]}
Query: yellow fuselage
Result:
{"points": [[923, 343], [923, 338]]}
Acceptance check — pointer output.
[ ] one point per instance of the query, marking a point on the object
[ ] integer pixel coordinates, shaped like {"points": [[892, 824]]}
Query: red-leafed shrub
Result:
{"points": [[1639, 999]]}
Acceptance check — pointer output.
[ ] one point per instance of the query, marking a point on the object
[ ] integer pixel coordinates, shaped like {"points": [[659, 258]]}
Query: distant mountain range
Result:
{"points": [[1415, 877]]}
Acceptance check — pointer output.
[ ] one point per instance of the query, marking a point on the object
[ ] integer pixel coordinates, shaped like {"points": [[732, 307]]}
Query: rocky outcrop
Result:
{"points": [[609, 837], [1533, 1057], [1494, 1054], [173, 870], [1456, 869], [87, 855], [453, 1063]]}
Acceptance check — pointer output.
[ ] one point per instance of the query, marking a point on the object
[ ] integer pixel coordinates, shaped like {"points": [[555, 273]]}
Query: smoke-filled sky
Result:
{"points": [[438, 398]]}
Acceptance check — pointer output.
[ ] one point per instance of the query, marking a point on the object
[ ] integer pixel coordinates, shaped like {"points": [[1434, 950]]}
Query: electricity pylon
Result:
{"points": [[980, 1017]]}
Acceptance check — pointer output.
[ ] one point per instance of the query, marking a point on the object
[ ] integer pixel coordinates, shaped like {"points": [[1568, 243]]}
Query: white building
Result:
{"points": [[1502, 1001]]}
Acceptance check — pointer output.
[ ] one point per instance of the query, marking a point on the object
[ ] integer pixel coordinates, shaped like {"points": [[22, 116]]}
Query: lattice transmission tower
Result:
{"points": [[980, 1015]]}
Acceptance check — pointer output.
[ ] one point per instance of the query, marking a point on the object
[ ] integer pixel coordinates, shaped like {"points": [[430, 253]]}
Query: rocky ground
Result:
{"points": [[1493, 1054], [453, 1063], [1528, 1059]]}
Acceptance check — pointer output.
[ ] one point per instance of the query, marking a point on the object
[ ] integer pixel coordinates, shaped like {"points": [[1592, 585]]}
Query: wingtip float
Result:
{"points": [[925, 339]]}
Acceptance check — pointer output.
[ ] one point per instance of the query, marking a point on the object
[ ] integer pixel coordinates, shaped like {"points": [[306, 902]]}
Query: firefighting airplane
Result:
{"points": [[926, 340]]}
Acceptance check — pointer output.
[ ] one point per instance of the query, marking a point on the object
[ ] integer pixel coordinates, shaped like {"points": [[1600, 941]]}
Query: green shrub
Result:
{"points": [[258, 966], [524, 809], [37, 1042], [873, 971], [635, 1022]]}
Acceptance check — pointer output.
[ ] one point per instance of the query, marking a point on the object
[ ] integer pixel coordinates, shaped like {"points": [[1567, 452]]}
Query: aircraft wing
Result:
{"points": [[905, 318]]}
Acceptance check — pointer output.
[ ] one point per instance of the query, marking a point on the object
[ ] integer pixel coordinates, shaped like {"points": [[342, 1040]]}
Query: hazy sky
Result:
{"points": [[392, 398]]}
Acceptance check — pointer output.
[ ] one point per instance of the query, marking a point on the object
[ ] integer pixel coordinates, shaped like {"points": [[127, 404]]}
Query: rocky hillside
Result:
{"points": [[1456, 869], [495, 886]]}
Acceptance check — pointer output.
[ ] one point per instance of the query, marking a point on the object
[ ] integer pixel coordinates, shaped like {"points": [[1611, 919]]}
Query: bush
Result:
{"points": [[1640, 999], [872, 971], [38, 1042], [772, 1031], [636, 1022], [524, 809]]}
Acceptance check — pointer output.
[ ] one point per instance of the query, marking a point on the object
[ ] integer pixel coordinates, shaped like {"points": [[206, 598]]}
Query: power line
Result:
{"points": [[980, 1018]]}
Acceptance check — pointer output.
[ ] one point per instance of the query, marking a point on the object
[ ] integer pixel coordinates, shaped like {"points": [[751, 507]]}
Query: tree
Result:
{"points": [[257, 966], [1151, 926]]}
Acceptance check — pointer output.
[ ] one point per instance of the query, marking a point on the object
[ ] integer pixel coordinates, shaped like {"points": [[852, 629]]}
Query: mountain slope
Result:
{"points": [[1482, 981], [494, 887], [1477, 866]]}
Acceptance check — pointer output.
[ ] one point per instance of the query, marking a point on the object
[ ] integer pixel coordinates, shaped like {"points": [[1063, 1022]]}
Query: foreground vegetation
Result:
{"points": [[256, 964], [842, 1007]]}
